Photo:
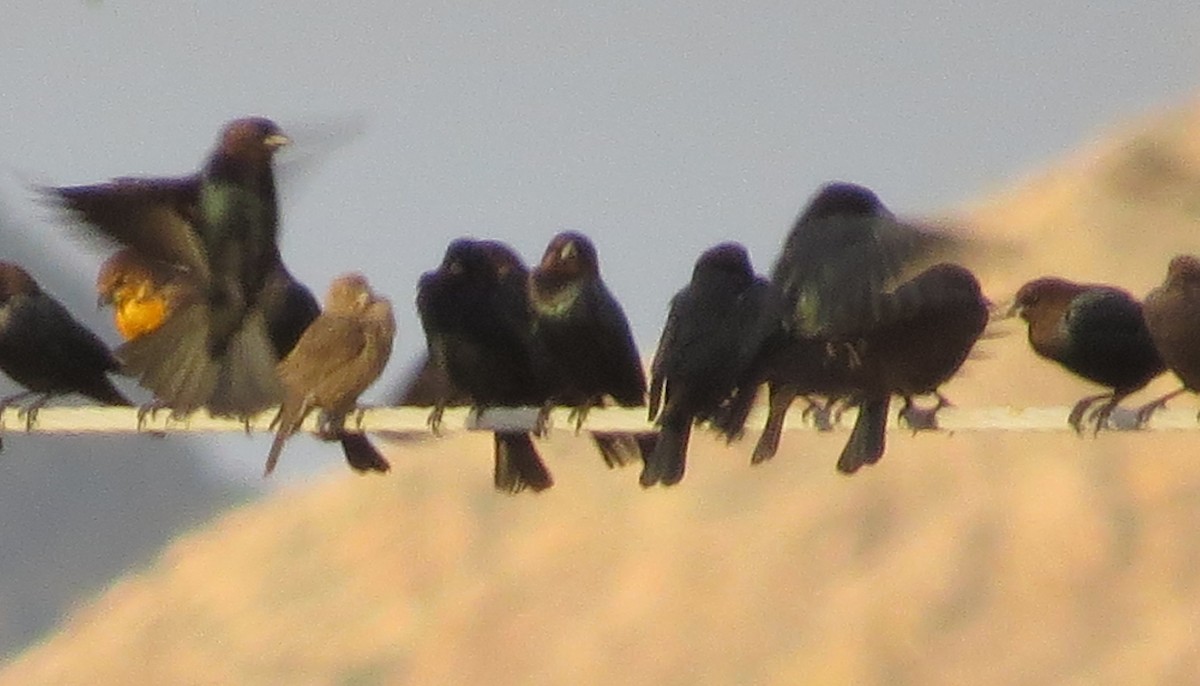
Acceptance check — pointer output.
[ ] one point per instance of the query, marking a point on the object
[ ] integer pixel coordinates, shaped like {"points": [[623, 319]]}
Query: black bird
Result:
{"points": [[220, 226], [46, 350], [717, 331], [478, 326], [839, 264], [586, 336], [1094, 331]]}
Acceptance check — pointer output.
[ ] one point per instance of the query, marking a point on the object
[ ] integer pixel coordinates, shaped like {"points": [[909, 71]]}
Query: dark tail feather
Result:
{"points": [[665, 464], [518, 465], [361, 454], [866, 442], [780, 399], [173, 360], [102, 390], [617, 449]]}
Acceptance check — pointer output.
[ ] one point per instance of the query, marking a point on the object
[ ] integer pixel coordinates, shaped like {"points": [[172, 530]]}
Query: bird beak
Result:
{"points": [[276, 140], [1005, 310]]}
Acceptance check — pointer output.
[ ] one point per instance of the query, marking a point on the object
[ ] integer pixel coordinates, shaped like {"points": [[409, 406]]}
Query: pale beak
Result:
{"points": [[276, 140]]}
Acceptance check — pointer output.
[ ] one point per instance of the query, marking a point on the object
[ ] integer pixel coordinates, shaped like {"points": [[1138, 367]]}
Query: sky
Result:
{"points": [[658, 130]]}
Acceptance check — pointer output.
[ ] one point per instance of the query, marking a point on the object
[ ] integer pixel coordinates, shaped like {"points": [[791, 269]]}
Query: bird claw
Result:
{"points": [[435, 420], [577, 416], [820, 414], [923, 419], [542, 423]]}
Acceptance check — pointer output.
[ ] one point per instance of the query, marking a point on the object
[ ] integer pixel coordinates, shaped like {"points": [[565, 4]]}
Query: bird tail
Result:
{"points": [[618, 448], [361, 454], [667, 461], [105, 392], [866, 442], [185, 373], [518, 465], [780, 399]]}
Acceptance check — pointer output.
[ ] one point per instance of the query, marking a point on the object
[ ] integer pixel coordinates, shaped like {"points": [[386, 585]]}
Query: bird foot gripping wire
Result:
{"points": [[1142, 414], [29, 412], [577, 416], [1098, 417], [923, 419], [435, 419]]}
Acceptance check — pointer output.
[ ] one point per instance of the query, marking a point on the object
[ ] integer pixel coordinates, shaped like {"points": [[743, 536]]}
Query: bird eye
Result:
{"points": [[455, 267]]}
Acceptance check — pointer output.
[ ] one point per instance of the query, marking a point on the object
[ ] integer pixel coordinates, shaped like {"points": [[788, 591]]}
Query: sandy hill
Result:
{"points": [[971, 558]]}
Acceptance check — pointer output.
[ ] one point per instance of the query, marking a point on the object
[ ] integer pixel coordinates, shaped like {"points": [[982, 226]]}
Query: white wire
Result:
{"points": [[406, 420]]}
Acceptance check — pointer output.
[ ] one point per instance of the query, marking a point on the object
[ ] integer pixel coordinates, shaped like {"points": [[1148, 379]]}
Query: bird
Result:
{"points": [[926, 329], [46, 350], [1098, 332], [587, 338], [1170, 311], [220, 226], [840, 262], [340, 354], [144, 293], [718, 328], [475, 313]]}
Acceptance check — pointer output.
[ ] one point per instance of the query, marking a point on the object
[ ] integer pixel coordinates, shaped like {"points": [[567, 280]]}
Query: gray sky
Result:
{"points": [[656, 130]]}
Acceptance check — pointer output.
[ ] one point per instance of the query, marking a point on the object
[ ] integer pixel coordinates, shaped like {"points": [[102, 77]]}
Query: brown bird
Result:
{"points": [[46, 350], [475, 312], [219, 226], [339, 355], [1172, 313], [586, 336], [927, 327], [1095, 331], [144, 293]]}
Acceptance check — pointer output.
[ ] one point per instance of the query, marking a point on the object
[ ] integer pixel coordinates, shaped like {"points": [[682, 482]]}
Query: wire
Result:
{"points": [[88, 419]]}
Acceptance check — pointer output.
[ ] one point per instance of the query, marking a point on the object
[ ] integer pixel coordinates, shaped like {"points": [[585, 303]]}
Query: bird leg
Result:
{"points": [[30, 413], [1100, 414], [1143, 413], [919, 419], [542, 423], [578, 416], [1075, 419], [435, 418], [820, 413]]}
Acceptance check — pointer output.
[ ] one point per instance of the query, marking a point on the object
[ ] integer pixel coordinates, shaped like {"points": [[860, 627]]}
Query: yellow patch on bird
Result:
{"points": [[137, 311]]}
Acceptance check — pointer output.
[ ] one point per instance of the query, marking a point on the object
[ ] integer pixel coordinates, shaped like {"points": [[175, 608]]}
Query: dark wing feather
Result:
{"points": [[157, 217]]}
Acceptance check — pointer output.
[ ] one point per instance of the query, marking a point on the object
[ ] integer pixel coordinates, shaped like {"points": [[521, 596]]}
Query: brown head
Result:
{"points": [[15, 281], [570, 258], [348, 294], [1048, 296], [121, 276], [250, 142]]}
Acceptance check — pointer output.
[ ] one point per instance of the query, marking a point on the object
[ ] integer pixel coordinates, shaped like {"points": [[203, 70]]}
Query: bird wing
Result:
{"points": [[327, 346], [833, 271], [157, 217]]}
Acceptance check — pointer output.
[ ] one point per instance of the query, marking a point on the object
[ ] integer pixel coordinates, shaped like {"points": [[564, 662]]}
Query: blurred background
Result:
{"points": [[1001, 558]]}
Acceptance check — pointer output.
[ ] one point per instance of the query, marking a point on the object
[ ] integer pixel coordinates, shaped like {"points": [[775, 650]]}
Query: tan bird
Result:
{"points": [[340, 354]]}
